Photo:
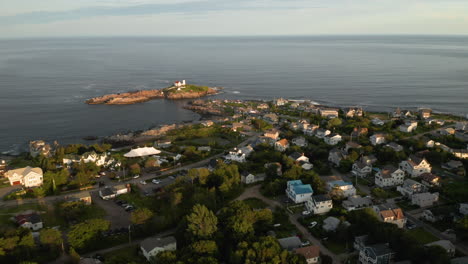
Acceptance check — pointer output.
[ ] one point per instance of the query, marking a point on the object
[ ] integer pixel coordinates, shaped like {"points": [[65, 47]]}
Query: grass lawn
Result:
{"points": [[422, 236], [407, 206], [335, 247], [130, 254], [256, 203]]}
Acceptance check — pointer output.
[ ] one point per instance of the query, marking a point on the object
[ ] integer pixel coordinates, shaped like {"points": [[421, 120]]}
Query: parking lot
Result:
{"points": [[117, 215]]}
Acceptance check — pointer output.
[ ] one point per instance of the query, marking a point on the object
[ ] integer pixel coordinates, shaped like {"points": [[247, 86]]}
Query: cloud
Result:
{"points": [[142, 7]]}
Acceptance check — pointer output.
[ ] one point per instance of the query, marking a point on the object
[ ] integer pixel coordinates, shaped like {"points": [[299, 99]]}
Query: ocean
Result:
{"points": [[44, 82]]}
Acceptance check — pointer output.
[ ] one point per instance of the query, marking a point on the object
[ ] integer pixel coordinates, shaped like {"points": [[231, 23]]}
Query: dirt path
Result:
{"points": [[254, 192]]}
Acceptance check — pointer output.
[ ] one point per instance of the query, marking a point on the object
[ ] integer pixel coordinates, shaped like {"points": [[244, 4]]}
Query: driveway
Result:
{"points": [[254, 192]]}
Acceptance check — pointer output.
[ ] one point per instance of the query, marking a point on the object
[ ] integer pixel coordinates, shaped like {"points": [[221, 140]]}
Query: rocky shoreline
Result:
{"points": [[147, 95]]}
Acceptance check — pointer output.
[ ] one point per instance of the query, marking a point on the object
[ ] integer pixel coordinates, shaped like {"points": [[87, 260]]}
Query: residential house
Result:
{"points": [[431, 121], [463, 126], [106, 193], [356, 202], [249, 178], [424, 199], [300, 141], [310, 253], [347, 187], [429, 143], [354, 112], [331, 224], [437, 214], [2, 167], [396, 147], [452, 165], [329, 112], [369, 159], [336, 155], [298, 192], [376, 254], [376, 121], [247, 150], [121, 189], [322, 133], [377, 139], [280, 102], [236, 155], [290, 243], [152, 246], [299, 157], [425, 113], [461, 135], [207, 123], [360, 242], [30, 220], [282, 145], [236, 126], [463, 208], [389, 176], [263, 106], [273, 134], [84, 197], [39, 147], [271, 118], [332, 139], [361, 168], [408, 127], [212, 164], [357, 132], [460, 153], [430, 179], [391, 215], [446, 245], [414, 166], [319, 204], [447, 131], [311, 130], [28, 177], [411, 187], [163, 144]]}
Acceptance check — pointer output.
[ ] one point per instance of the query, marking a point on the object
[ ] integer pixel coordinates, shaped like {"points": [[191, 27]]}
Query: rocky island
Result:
{"points": [[180, 90]]}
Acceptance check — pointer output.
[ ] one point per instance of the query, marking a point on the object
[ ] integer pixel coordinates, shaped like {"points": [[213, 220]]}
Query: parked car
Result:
{"points": [[312, 224], [305, 243], [171, 177], [155, 181], [305, 213], [276, 225], [143, 182], [136, 176]]}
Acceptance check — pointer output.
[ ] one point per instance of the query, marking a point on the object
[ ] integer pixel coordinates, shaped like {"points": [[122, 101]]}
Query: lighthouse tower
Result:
{"points": [[183, 82]]}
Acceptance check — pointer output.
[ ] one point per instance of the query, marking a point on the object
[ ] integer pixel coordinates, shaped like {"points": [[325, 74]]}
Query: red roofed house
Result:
{"points": [[31, 221], [310, 253], [282, 145]]}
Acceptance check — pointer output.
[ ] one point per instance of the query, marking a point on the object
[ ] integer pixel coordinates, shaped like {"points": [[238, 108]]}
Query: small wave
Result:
{"points": [[236, 92], [89, 87]]}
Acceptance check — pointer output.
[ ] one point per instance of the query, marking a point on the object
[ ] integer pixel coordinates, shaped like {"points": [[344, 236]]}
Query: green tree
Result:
{"points": [[202, 223], [204, 247], [50, 237], [141, 216], [334, 122]]}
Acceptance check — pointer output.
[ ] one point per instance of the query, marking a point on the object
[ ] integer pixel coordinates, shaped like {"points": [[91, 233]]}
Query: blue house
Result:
{"points": [[299, 192]]}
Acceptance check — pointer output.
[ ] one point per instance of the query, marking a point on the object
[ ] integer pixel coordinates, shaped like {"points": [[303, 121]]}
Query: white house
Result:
{"points": [[424, 199], [299, 157], [249, 178], [319, 204], [376, 254], [28, 177], [408, 127], [396, 147], [411, 187], [282, 145], [179, 84], [376, 121], [273, 134], [329, 112], [150, 247], [389, 176], [347, 187], [236, 155], [298, 192], [332, 139], [121, 189], [30, 221], [361, 168], [415, 166], [377, 139]]}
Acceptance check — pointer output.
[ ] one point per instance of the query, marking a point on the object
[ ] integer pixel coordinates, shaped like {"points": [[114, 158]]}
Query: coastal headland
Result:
{"points": [[177, 91]]}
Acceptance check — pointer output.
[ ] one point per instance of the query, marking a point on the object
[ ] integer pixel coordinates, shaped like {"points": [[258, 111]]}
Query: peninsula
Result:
{"points": [[179, 90]]}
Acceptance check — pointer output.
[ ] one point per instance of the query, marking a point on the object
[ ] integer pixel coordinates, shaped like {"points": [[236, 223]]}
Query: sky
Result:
{"points": [[64, 18]]}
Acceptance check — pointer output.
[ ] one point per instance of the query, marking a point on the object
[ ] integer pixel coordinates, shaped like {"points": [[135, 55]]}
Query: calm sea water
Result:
{"points": [[43, 82]]}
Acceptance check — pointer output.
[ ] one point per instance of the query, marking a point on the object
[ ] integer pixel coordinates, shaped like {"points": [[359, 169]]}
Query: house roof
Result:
{"points": [[302, 189], [415, 160], [380, 249], [290, 243], [140, 152], [429, 177], [309, 252], [387, 171], [295, 155], [340, 183], [154, 242], [321, 198], [446, 244], [283, 142], [24, 171], [107, 192], [396, 213]]}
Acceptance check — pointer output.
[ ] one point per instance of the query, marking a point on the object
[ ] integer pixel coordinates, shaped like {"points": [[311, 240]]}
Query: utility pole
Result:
{"points": [[129, 234]]}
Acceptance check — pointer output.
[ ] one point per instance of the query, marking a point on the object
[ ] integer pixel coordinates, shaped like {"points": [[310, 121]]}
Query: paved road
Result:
{"points": [[108, 182], [254, 192]]}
